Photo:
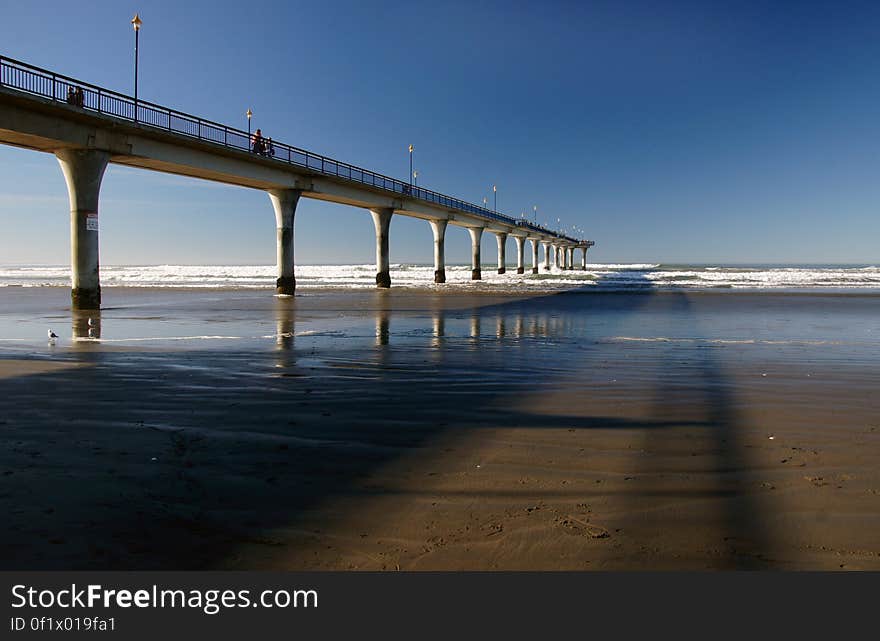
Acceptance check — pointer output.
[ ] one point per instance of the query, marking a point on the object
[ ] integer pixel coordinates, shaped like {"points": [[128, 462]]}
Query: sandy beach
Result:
{"points": [[411, 430]]}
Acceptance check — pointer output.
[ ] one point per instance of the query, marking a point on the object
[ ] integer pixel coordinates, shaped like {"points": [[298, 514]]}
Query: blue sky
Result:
{"points": [[677, 132]]}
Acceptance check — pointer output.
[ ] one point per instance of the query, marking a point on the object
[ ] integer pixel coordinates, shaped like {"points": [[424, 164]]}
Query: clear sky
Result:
{"points": [[670, 132]]}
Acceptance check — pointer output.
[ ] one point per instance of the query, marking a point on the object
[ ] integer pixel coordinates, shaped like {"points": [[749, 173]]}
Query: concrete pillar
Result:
{"points": [[546, 256], [439, 229], [570, 258], [83, 171], [560, 261], [284, 201], [534, 242], [501, 238], [520, 265], [584, 259], [382, 221], [476, 235]]}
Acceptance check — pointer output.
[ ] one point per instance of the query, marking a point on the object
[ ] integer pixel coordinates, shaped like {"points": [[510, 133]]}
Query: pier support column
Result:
{"points": [[546, 247], [534, 243], [560, 261], [83, 171], [570, 262], [584, 260], [476, 235], [501, 238], [284, 201], [439, 229], [520, 246], [382, 221]]}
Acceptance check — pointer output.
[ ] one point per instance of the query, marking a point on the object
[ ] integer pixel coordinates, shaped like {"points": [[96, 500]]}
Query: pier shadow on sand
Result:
{"points": [[179, 460]]}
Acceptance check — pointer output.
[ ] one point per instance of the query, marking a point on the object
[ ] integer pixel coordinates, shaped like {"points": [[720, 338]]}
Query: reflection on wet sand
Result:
{"points": [[85, 324], [438, 328], [475, 326], [284, 322], [382, 327]]}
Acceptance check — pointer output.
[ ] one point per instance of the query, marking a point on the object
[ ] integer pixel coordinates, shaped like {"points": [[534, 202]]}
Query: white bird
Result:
{"points": [[52, 337], [91, 323]]}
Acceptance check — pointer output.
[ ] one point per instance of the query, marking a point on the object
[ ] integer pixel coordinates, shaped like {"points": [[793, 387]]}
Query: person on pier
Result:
{"points": [[258, 146]]}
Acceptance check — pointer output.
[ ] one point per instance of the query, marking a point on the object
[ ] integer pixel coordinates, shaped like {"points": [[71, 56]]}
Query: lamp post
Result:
{"points": [[410, 165], [249, 113], [416, 177], [535, 209], [485, 202], [136, 22], [495, 193]]}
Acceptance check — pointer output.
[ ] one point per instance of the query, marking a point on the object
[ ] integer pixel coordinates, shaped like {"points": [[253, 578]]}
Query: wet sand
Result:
{"points": [[414, 430]]}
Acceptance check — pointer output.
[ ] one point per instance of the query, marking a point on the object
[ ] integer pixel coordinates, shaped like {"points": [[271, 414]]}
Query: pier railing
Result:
{"points": [[64, 89]]}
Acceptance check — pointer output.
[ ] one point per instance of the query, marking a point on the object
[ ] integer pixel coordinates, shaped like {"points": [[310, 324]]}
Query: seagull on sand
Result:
{"points": [[52, 336]]}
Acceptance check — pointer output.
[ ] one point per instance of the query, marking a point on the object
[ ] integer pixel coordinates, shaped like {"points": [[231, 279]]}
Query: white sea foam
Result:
{"points": [[612, 276], [717, 341]]}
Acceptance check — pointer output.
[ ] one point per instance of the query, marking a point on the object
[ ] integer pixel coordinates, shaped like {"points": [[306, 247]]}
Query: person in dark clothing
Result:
{"points": [[258, 146]]}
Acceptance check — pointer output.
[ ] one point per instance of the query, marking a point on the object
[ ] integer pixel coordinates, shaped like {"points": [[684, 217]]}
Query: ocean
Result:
{"points": [[629, 276]]}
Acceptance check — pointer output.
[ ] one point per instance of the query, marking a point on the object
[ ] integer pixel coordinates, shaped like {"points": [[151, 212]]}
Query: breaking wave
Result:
{"points": [[633, 276]]}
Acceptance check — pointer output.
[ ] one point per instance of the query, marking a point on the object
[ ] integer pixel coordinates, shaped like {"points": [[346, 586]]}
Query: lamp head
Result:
{"points": [[136, 22]]}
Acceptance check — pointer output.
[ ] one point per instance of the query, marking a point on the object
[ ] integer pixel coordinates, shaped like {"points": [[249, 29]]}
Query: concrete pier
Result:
{"points": [[83, 171], [501, 238], [85, 139], [520, 246], [570, 258], [439, 229], [584, 259], [382, 221], [476, 235], [284, 201]]}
